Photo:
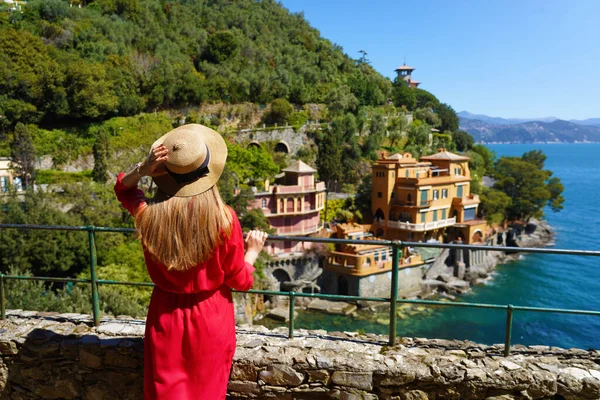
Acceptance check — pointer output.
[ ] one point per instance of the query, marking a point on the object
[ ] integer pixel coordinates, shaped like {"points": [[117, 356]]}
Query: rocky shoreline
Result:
{"points": [[448, 281], [440, 281]]}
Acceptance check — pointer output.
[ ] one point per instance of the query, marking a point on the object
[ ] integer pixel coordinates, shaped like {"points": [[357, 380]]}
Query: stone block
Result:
{"points": [[244, 372], [245, 387], [8, 347], [319, 375], [281, 375], [359, 380]]}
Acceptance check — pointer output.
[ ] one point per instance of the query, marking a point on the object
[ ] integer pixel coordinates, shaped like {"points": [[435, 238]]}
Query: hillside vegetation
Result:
{"points": [[87, 87]]}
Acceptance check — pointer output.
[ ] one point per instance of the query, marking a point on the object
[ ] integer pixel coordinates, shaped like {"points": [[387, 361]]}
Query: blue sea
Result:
{"points": [[555, 281]]}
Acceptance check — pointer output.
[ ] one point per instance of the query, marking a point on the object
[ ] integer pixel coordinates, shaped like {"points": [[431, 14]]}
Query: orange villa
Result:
{"points": [[426, 199], [412, 200]]}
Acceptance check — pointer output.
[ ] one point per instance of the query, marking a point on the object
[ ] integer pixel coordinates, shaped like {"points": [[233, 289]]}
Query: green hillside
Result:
{"points": [[99, 59]]}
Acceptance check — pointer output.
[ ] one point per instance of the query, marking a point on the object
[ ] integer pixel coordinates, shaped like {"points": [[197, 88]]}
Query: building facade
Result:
{"points": [[430, 198], [8, 179], [293, 207]]}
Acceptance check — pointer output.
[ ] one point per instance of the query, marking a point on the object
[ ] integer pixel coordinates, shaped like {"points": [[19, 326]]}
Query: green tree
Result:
{"points": [[448, 116], [403, 95], [221, 46], [462, 140], [100, 152], [280, 112], [23, 155], [529, 186], [494, 204]]}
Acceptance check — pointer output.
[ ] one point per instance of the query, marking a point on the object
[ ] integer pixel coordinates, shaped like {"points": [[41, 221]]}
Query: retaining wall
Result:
{"points": [[49, 356]]}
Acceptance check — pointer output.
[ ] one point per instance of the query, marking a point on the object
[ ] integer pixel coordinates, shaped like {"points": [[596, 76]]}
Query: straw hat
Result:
{"points": [[196, 160]]}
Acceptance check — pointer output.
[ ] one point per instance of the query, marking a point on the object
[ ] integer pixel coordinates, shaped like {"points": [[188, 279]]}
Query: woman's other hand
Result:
{"points": [[255, 241], [154, 164]]}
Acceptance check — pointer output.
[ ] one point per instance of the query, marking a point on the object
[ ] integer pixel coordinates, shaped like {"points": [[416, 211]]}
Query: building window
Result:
{"points": [[18, 184], [444, 213], [423, 215], [470, 214], [459, 191], [264, 203], [423, 197], [379, 194], [434, 215], [436, 194], [457, 171], [444, 193], [407, 173], [4, 184], [393, 174]]}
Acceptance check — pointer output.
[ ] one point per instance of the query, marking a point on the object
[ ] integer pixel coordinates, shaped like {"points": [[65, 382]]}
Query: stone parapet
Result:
{"points": [[61, 356]]}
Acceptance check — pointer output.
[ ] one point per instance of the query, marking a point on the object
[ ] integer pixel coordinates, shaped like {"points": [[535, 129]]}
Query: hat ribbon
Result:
{"points": [[198, 173]]}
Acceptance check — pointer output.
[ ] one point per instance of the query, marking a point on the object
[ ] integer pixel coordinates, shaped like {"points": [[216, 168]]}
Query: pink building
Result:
{"points": [[292, 205]]}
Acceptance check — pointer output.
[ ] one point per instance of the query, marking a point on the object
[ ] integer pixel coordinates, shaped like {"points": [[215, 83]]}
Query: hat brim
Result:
{"points": [[218, 155]]}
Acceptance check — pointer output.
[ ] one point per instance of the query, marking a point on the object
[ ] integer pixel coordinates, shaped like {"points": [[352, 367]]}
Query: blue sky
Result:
{"points": [[507, 58]]}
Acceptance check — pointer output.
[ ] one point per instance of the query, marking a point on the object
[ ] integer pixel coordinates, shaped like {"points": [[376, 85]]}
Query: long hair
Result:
{"points": [[182, 232]]}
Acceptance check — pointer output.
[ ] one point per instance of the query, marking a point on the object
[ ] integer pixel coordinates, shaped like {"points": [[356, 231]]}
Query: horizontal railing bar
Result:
{"points": [[315, 295], [45, 278], [111, 282], [556, 310], [67, 228], [453, 303], [339, 241]]}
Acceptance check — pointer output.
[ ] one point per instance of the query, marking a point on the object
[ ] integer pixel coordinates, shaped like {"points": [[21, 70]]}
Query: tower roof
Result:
{"points": [[405, 67], [445, 155], [299, 166]]}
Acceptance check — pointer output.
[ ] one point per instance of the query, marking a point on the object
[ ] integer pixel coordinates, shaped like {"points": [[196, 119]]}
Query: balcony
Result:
{"points": [[466, 200], [427, 226], [291, 231], [274, 213], [411, 204]]}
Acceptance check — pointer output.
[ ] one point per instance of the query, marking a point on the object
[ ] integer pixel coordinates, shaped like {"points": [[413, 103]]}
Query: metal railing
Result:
{"points": [[393, 300]]}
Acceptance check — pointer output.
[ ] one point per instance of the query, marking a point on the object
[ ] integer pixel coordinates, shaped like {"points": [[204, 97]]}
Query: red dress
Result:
{"points": [[190, 329]]}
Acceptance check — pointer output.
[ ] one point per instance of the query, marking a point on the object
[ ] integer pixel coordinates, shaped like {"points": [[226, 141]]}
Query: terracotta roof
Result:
{"points": [[299, 166], [446, 155], [404, 67]]}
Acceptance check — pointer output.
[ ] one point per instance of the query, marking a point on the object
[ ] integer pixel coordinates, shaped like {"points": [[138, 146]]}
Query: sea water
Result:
{"points": [[540, 280]]}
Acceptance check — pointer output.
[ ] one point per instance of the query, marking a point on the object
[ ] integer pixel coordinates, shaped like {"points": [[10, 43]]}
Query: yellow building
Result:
{"points": [[365, 269], [430, 198]]}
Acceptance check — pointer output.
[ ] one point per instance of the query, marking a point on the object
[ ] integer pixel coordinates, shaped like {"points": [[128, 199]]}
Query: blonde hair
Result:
{"points": [[182, 232]]}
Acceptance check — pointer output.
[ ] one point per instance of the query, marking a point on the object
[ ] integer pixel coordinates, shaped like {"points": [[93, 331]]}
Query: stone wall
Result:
{"points": [[46, 356]]}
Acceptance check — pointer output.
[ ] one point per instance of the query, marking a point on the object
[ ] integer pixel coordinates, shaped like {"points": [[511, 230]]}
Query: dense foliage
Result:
{"points": [[108, 58]]}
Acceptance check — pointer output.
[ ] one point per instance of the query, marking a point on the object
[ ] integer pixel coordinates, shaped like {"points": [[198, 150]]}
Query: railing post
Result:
{"points": [[292, 306], [394, 291], [93, 277], [508, 334], [2, 297]]}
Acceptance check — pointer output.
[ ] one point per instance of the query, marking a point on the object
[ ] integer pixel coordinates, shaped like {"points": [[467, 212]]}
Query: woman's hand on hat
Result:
{"points": [[154, 164], [255, 241]]}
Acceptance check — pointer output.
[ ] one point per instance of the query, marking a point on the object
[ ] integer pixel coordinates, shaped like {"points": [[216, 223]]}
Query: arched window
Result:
{"points": [[264, 203]]}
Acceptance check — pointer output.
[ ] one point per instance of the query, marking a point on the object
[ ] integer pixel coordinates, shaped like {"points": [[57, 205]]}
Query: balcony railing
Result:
{"points": [[406, 203], [393, 299], [426, 226]]}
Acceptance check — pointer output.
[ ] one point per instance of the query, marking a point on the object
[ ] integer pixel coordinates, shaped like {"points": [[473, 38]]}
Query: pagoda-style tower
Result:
{"points": [[405, 72]]}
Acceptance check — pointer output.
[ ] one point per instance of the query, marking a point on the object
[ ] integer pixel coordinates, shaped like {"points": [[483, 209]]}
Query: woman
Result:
{"points": [[194, 253]]}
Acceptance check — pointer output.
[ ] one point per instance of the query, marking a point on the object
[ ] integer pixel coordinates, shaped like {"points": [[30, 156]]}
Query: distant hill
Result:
{"points": [[502, 121], [557, 131], [515, 121]]}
